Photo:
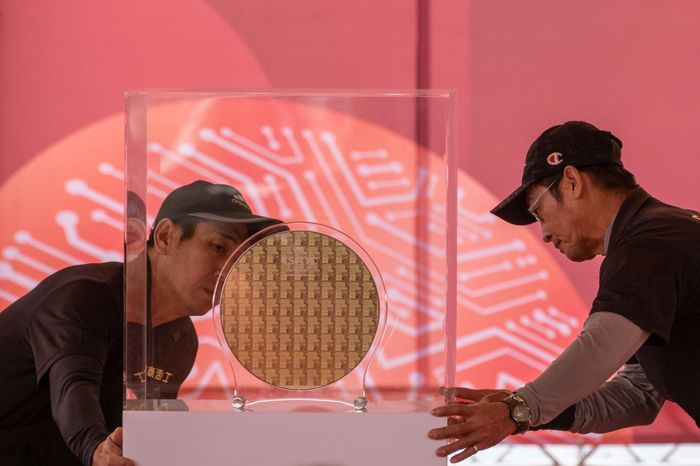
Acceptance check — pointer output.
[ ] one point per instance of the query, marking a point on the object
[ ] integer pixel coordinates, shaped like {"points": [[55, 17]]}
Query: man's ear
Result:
{"points": [[135, 237], [164, 235], [571, 184]]}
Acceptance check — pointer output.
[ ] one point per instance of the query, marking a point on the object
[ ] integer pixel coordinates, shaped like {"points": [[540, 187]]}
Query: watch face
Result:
{"points": [[520, 413], [299, 309]]}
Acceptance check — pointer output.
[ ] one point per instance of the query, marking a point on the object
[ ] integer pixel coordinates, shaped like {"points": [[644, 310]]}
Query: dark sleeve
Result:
{"points": [[563, 421], [74, 384], [79, 318], [641, 284], [70, 338]]}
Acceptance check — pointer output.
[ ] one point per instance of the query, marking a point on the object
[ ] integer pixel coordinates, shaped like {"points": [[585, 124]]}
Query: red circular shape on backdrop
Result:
{"points": [[517, 310]]}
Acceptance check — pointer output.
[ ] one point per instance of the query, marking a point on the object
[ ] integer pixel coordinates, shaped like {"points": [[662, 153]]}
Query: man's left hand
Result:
{"points": [[477, 423], [109, 452]]}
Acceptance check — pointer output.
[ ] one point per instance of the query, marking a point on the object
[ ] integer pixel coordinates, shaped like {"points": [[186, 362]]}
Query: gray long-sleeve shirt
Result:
{"points": [[578, 376]]}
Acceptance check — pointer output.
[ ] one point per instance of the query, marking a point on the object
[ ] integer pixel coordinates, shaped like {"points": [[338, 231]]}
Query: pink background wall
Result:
{"points": [[629, 66]]}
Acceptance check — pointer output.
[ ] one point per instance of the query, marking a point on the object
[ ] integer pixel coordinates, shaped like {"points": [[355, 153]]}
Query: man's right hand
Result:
{"points": [[476, 420], [109, 452]]}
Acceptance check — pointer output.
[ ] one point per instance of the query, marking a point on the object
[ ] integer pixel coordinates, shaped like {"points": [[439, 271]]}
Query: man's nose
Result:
{"points": [[546, 235], [219, 266]]}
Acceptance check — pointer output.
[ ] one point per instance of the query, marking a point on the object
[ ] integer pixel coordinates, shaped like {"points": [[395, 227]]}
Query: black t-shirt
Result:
{"points": [[76, 314], [651, 275]]}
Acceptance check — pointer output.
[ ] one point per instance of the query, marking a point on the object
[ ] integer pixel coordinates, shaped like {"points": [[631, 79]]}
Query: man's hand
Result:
{"points": [[477, 423], [109, 452]]}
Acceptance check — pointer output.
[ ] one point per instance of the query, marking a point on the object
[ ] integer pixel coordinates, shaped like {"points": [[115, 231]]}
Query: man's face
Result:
{"points": [[563, 223], [192, 266]]}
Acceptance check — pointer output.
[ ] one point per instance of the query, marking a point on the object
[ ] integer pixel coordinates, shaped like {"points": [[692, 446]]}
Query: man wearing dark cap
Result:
{"points": [[645, 318], [61, 345]]}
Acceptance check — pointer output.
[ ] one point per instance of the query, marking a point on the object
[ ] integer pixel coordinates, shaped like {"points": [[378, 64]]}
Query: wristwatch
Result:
{"points": [[519, 412]]}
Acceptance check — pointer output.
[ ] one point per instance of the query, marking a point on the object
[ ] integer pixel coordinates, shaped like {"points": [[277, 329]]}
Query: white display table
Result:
{"points": [[281, 439]]}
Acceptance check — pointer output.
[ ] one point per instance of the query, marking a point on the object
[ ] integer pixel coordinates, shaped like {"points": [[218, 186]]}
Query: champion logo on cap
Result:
{"points": [[555, 158]]}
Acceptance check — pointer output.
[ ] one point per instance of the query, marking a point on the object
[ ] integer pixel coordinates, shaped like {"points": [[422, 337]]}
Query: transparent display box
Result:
{"points": [[301, 273]]}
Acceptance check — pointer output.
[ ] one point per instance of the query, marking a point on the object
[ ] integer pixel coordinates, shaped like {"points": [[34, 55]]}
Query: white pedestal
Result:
{"points": [[154, 438]]}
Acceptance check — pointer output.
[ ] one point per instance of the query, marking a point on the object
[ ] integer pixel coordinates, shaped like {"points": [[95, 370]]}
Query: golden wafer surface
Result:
{"points": [[299, 309]]}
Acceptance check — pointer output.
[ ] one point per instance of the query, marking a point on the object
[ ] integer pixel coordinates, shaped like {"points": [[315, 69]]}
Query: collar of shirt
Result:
{"points": [[635, 200], [608, 232]]}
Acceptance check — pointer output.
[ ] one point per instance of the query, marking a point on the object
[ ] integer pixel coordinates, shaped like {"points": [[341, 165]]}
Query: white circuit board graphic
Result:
{"points": [[516, 310]]}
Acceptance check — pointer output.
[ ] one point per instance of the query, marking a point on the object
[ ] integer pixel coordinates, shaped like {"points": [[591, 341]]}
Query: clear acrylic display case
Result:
{"points": [[371, 172]]}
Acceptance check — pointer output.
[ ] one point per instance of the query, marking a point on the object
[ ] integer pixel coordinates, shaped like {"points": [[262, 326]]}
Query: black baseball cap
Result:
{"points": [[212, 202], [574, 143]]}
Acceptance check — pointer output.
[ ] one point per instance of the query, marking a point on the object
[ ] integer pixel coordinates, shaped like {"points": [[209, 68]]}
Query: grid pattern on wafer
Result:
{"points": [[299, 310]]}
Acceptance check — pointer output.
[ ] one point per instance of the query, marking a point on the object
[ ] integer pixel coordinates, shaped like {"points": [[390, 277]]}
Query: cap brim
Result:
{"points": [[513, 209], [254, 223]]}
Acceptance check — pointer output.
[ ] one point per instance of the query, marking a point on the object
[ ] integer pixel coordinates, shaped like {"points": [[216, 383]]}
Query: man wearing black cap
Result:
{"points": [[646, 316], [61, 356]]}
